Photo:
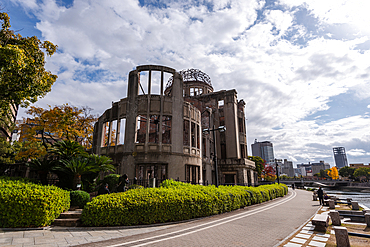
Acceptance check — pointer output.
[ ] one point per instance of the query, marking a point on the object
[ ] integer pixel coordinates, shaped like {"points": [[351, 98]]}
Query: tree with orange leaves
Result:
{"points": [[333, 173], [63, 122]]}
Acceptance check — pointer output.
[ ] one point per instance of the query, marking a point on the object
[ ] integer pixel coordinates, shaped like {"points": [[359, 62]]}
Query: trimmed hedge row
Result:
{"points": [[25, 204], [79, 198], [174, 201]]}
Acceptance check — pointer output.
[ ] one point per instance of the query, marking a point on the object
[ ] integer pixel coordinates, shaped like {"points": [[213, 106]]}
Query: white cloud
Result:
{"points": [[282, 80], [358, 152]]}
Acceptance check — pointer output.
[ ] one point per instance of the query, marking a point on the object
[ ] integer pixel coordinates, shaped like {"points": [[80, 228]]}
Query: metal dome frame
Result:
{"points": [[192, 75]]}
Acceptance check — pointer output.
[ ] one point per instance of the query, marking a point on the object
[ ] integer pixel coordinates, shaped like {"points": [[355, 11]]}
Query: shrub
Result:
{"points": [[112, 181], [79, 198], [174, 201], [135, 186], [25, 204]]}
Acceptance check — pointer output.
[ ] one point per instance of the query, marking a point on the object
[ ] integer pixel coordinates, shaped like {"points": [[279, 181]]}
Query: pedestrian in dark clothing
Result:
{"points": [[103, 190], [293, 186], [320, 194]]}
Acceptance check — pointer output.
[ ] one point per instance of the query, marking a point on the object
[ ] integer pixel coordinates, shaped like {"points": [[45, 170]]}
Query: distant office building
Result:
{"points": [[301, 171], [317, 167], [288, 168], [307, 169], [265, 150], [313, 168], [340, 157]]}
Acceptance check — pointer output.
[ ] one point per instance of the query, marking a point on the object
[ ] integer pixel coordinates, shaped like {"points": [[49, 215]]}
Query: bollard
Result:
{"points": [[335, 219], [331, 204], [367, 219], [314, 197], [341, 236], [365, 211], [355, 206]]}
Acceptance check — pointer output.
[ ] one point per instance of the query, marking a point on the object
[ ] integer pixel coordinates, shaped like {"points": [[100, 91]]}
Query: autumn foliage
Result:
{"points": [[333, 173], [47, 126]]}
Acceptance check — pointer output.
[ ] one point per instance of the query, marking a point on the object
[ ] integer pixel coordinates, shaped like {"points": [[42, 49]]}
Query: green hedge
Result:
{"points": [[25, 204], [174, 201], [79, 198]]}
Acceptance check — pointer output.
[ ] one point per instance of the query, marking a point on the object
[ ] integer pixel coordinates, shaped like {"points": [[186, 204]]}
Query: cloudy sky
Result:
{"points": [[302, 66]]}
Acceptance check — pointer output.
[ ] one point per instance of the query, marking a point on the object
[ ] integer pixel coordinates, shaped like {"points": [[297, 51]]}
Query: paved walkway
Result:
{"points": [[265, 224]]}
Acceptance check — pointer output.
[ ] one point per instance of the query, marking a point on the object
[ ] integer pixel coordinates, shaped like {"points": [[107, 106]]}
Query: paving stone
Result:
{"points": [[320, 239], [5, 240], [33, 234], [321, 234], [292, 245], [23, 240], [298, 240], [316, 244], [308, 228], [306, 232], [48, 240], [300, 235]]}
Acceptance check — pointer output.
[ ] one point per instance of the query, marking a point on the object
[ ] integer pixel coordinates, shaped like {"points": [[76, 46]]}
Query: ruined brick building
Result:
{"points": [[160, 135]]}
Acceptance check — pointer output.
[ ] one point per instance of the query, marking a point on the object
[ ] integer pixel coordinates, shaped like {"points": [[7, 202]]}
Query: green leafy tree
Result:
{"points": [[362, 172], [42, 166], [259, 162], [23, 78], [347, 171], [67, 149]]}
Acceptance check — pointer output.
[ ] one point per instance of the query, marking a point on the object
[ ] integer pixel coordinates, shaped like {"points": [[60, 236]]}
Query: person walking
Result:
{"points": [[103, 190], [320, 194]]}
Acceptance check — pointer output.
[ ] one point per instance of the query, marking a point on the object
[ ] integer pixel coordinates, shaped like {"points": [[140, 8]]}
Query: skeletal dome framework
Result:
{"points": [[192, 75]]}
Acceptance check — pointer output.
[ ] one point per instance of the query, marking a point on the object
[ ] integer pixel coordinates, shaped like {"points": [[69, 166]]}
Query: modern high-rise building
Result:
{"points": [[265, 150], [340, 157]]}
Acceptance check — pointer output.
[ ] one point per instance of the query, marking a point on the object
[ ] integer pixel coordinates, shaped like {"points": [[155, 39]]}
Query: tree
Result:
{"points": [[362, 172], [57, 123], [333, 173], [347, 171], [23, 78], [259, 162], [268, 173]]}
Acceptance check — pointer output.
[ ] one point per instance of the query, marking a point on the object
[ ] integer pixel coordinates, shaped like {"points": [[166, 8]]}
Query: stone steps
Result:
{"points": [[69, 219]]}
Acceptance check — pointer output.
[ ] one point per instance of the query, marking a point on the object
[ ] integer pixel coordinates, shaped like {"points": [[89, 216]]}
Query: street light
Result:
{"points": [[221, 129], [277, 170]]}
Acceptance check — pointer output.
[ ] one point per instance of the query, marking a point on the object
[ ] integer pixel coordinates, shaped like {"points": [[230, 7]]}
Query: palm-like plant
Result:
{"points": [[77, 167], [42, 167], [67, 149]]}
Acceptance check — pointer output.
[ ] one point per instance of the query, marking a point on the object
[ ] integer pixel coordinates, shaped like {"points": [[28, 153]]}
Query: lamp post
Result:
{"points": [[277, 170], [221, 129]]}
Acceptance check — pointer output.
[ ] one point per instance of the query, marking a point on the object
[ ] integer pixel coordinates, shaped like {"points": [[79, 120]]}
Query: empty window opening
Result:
{"points": [[200, 90], [143, 83], [196, 91], [141, 129], [105, 134], [198, 136], [113, 134], [186, 133], [122, 130], [193, 140], [220, 103], [241, 125], [166, 129], [192, 174], [191, 91], [156, 83], [154, 129]]}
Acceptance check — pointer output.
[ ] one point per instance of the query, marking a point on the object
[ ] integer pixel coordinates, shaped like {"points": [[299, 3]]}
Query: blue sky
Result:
{"points": [[302, 66]]}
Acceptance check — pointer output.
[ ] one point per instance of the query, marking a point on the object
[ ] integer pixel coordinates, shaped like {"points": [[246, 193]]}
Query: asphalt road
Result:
{"points": [[265, 224]]}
